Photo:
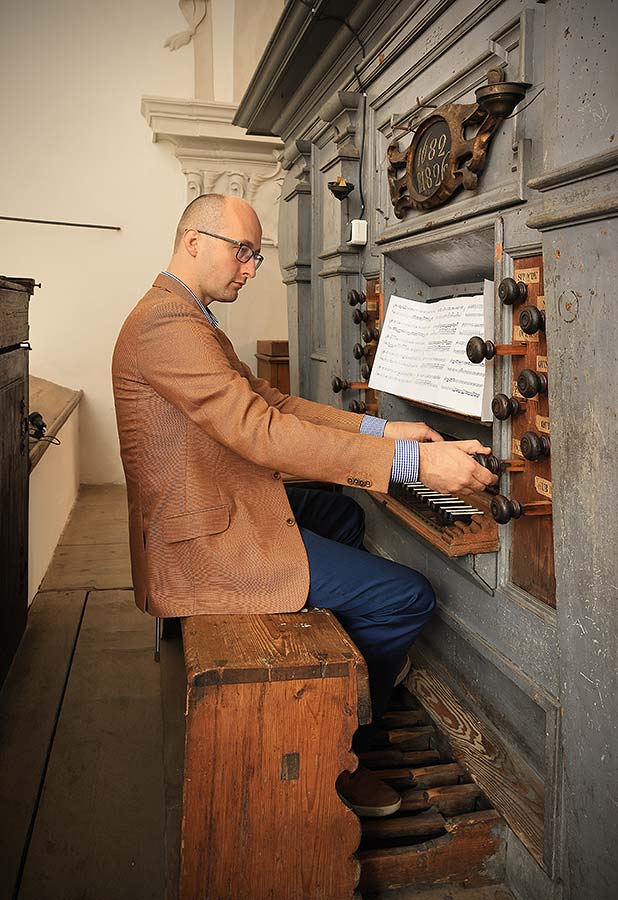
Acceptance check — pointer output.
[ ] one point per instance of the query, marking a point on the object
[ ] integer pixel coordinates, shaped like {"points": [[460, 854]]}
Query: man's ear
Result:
{"points": [[190, 240]]}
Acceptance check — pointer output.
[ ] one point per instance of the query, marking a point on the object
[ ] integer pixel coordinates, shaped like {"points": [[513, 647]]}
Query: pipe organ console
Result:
{"points": [[458, 526], [515, 665]]}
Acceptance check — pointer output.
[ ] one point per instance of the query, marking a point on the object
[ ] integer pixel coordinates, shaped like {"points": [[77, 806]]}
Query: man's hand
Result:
{"points": [[411, 431], [449, 468]]}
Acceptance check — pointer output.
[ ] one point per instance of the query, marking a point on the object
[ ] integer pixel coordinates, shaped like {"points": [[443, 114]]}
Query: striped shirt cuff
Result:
{"points": [[405, 462], [373, 425]]}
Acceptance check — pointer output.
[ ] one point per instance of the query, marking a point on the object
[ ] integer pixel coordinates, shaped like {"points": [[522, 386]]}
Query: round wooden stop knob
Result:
{"points": [[530, 383], [359, 315], [503, 509], [365, 371], [358, 351], [531, 320], [355, 298], [502, 407], [511, 291], [370, 334], [534, 446], [490, 462], [477, 349], [357, 406], [339, 384]]}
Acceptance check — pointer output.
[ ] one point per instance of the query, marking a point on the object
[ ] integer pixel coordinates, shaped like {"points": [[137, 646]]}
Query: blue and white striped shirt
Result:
{"points": [[406, 459]]}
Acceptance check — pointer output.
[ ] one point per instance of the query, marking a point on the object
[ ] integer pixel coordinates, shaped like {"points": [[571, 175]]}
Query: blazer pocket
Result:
{"points": [[212, 520]]}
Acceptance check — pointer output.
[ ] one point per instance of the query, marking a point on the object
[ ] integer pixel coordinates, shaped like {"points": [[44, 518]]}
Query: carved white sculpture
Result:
{"points": [[194, 12]]}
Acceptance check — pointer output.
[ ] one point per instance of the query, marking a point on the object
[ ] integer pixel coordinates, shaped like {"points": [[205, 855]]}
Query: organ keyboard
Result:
{"points": [[454, 525]]}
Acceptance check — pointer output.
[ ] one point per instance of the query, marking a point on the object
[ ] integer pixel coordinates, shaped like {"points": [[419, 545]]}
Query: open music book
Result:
{"points": [[422, 352]]}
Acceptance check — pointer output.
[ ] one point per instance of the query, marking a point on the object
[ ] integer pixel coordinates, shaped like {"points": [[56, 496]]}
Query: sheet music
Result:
{"points": [[422, 352]]}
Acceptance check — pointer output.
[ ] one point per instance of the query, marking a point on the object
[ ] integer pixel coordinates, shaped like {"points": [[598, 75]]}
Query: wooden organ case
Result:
{"points": [[518, 666]]}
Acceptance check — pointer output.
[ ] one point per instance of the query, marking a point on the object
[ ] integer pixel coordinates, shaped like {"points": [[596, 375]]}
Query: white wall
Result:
{"points": [[75, 148]]}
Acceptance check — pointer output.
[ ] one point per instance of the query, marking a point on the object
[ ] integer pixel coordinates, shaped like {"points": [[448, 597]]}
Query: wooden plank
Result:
{"points": [[282, 646], [404, 718], [416, 738], [99, 829], [395, 758], [55, 403], [445, 892], [450, 800], [98, 517], [89, 566], [173, 713], [472, 853], [29, 705], [425, 824], [512, 786]]}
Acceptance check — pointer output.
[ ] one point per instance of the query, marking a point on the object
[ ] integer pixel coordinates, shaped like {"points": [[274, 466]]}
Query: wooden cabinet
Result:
{"points": [[14, 297], [272, 703], [273, 364]]}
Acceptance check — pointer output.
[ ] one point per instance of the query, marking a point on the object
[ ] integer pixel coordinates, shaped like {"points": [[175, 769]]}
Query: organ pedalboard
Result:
{"points": [[460, 525]]}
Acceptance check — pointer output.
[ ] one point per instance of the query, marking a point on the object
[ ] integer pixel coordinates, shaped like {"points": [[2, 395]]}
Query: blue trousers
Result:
{"points": [[382, 605]]}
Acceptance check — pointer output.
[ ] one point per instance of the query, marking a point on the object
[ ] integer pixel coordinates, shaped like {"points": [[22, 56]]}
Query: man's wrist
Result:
{"points": [[373, 425], [405, 462]]}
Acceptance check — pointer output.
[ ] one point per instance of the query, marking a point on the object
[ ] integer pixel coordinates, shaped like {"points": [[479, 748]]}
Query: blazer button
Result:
{"points": [[356, 481], [367, 484], [290, 522], [277, 475], [350, 481]]}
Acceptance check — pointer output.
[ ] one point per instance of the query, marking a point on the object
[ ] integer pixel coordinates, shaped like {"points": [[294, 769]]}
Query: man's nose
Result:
{"points": [[248, 268]]}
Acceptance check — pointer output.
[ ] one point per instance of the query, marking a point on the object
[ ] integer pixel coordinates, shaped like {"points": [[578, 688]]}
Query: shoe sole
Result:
{"points": [[374, 812]]}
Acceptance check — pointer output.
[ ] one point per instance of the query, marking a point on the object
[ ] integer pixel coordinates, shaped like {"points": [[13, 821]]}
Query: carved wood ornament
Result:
{"points": [[441, 158]]}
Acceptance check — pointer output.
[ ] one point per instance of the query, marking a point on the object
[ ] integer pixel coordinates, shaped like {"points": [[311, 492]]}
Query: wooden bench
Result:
{"points": [[272, 702]]}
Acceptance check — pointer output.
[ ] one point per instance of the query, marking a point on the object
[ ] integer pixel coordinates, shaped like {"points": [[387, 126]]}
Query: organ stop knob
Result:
{"points": [[356, 297], [511, 291], [357, 406], [339, 384], [370, 334], [530, 383], [359, 315], [365, 371], [531, 320], [503, 509], [477, 349], [358, 351], [502, 407], [534, 446]]}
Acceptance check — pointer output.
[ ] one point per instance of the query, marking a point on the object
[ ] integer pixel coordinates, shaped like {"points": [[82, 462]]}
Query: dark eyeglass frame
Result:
{"points": [[244, 250]]}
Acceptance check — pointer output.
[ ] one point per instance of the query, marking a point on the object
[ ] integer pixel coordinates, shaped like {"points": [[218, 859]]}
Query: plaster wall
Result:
{"points": [[76, 148]]}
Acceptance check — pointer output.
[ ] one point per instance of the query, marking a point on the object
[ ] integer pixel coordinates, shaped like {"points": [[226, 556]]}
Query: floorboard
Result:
{"points": [[29, 704], [100, 825], [89, 566], [98, 517]]}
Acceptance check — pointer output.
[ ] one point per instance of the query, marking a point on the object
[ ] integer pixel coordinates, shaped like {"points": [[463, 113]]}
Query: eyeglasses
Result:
{"points": [[244, 252]]}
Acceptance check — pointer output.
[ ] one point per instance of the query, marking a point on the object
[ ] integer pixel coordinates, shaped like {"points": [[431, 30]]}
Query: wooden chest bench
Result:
{"points": [[272, 703]]}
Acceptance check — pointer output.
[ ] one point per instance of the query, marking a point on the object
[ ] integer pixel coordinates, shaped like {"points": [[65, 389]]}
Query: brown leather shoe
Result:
{"points": [[366, 794]]}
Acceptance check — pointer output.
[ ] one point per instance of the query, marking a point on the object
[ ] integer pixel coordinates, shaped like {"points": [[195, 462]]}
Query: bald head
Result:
{"points": [[205, 256], [203, 212]]}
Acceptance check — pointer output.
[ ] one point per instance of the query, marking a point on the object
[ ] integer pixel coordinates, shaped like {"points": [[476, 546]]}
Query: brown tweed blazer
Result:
{"points": [[203, 443]]}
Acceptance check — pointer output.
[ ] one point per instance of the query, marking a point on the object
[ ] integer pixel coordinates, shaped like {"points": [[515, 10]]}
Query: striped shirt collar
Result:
{"points": [[210, 316]]}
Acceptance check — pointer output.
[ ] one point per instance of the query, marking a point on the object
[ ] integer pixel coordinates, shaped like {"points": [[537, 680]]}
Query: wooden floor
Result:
{"points": [[91, 734]]}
